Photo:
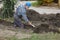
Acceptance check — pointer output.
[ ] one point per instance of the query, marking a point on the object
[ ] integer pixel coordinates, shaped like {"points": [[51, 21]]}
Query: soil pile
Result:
{"points": [[52, 19], [47, 22]]}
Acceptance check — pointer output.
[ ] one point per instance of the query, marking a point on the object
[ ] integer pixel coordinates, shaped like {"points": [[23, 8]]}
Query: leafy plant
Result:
{"points": [[8, 7], [39, 2], [34, 4]]}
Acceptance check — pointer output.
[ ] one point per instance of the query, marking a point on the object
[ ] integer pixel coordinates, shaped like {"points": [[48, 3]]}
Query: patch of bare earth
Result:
{"points": [[10, 33]]}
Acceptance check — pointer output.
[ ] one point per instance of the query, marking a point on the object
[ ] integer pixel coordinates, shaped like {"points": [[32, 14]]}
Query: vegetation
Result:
{"points": [[8, 8], [40, 2], [47, 36], [11, 38], [48, 1], [37, 3]]}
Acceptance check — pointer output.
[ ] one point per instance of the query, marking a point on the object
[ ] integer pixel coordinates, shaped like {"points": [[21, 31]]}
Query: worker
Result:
{"points": [[21, 13]]}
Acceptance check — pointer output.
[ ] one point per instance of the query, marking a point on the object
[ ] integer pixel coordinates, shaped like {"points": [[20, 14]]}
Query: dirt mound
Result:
{"points": [[46, 28], [33, 15], [52, 19], [47, 22]]}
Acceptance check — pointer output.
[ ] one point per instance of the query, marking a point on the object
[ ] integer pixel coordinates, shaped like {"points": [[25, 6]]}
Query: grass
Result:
{"points": [[11, 38], [45, 36], [48, 36]]}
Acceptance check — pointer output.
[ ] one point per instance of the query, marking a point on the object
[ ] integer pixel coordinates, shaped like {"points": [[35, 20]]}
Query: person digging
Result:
{"points": [[21, 13]]}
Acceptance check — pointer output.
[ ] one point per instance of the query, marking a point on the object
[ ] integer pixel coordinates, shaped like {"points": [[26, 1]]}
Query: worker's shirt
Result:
{"points": [[22, 11]]}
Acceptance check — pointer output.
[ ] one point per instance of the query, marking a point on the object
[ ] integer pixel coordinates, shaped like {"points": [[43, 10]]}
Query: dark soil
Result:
{"points": [[51, 19], [45, 22]]}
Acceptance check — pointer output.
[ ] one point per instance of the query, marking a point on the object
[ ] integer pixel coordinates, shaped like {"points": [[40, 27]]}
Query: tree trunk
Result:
{"points": [[59, 3]]}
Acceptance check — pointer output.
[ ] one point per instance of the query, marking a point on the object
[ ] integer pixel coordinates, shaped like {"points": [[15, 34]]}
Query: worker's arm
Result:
{"points": [[25, 17], [23, 13], [26, 20]]}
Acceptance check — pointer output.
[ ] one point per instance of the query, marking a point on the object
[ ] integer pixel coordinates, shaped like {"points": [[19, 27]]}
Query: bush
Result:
{"points": [[40, 2], [37, 3], [8, 7], [48, 1], [34, 4]]}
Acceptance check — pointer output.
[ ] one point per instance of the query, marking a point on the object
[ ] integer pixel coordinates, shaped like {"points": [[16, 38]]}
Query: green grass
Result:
{"points": [[48, 36], [36, 4], [45, 36], [11, 38]]}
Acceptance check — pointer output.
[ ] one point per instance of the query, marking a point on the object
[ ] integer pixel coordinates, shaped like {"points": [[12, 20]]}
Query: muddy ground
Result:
{"points": [[43, 22]]}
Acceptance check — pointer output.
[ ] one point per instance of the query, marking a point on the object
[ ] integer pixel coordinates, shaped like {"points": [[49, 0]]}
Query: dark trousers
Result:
{"points": [[17, 21]]}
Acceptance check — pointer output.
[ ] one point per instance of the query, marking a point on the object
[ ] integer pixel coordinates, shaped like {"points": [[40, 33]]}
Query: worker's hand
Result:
{"points": [[31, 24]]}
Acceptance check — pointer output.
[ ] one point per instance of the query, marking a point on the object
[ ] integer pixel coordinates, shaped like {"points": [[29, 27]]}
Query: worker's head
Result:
{"points": [[27, 5]]}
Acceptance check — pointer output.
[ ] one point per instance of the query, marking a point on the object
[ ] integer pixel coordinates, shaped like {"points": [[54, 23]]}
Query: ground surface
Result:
{"points": [[41, 23], [7, 31]]}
